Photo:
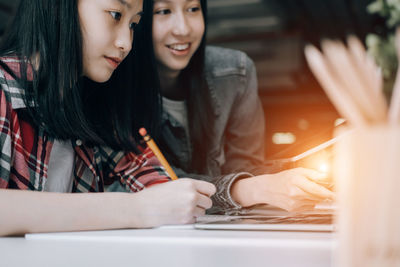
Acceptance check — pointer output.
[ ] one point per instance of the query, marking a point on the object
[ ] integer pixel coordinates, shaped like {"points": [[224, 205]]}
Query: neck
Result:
{"points": [[169, 85]]}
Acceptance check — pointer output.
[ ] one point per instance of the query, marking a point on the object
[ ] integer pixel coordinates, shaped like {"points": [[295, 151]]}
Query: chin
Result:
{"points": [[179, 67], [100, 78]]}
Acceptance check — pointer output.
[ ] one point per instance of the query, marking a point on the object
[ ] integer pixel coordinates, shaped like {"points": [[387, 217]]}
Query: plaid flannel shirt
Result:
{"points": [[26, 148]]}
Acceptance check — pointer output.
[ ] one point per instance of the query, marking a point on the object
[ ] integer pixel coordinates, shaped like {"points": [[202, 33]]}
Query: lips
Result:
{"points": [[113, 61], [179, 47]]}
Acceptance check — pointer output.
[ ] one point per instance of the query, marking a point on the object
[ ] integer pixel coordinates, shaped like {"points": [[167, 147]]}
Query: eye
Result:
{"points": [[163, 12], [116, 15], [194, 9]]}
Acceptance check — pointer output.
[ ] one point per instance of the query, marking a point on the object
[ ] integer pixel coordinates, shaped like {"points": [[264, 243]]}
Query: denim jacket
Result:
{"points": [[237, 149]]}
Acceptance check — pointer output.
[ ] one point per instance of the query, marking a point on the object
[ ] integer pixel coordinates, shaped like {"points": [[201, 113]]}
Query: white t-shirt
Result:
{"points": [[178, 110], [61, 166]]}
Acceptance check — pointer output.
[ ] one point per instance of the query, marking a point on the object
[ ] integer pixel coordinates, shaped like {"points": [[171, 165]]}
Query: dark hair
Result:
{"points": [[200, 111], [66, 104]]}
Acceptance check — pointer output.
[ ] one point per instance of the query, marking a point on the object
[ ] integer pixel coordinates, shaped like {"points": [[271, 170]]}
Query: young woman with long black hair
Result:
{"points": [[68, 103], [213, 123]]}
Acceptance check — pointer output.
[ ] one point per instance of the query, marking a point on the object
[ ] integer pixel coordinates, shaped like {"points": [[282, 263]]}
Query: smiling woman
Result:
{"points": [[63, 132], [213, 123], [178, 28]]}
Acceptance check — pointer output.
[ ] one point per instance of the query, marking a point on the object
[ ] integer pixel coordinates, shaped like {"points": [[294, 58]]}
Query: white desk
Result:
{"points": [[171, 247]]}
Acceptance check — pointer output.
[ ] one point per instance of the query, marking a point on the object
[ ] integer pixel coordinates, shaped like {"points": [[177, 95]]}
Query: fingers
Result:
{"points": [[202, 187], [298, 194], [176, 202], [296, 206], [302, 207], [206, 188], [191, 217], [196, 209], [299, 202], [199, 212], [311, 174], [204, 202], [293, 189], [316, 176], [313, 188], [199, 192]]}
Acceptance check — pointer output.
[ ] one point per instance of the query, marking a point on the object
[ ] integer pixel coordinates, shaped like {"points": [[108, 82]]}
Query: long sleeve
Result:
{"points": [[25, 151], [245, 132], [130, 172], [5, 140]]}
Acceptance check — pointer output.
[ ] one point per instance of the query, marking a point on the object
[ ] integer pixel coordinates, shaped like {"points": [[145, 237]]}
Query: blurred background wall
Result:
{"points": [[273, 33]]}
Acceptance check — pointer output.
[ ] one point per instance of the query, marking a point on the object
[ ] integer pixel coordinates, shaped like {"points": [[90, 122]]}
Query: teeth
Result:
{"points": [[179, 47]]}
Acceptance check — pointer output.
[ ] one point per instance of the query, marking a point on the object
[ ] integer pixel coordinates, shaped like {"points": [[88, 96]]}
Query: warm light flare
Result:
{"points": [[323, 167], [283, 138], [319, 162]]}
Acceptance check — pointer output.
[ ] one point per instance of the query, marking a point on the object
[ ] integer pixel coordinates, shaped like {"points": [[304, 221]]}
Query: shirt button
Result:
{"points": [[78, 142]]}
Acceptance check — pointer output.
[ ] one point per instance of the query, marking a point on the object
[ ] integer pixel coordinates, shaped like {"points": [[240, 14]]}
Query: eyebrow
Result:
{"points": [[123, 2]]}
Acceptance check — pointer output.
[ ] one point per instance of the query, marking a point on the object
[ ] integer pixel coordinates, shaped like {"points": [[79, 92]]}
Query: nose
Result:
{"points": [[181, 24], [124, 39]]}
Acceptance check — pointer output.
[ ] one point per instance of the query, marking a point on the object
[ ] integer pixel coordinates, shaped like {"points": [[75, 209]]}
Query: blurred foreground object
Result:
{"points": [[366, 173], [367, 159]]}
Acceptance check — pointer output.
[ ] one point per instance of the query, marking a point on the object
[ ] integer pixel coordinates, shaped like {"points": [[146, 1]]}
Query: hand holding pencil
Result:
{"points": [[178, 202]]}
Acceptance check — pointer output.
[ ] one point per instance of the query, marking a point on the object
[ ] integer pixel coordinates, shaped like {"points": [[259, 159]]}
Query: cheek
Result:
{"points": [[159, 34], [96, 33], [98, 37], [198, 29]]}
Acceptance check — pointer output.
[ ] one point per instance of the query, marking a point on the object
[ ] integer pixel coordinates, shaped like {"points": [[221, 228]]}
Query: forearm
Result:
{"points": [[243, 192], [28, 211]]}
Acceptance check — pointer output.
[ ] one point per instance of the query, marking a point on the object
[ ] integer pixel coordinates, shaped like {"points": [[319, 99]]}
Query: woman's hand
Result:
{"points": [[176, 202], [292, 190]]}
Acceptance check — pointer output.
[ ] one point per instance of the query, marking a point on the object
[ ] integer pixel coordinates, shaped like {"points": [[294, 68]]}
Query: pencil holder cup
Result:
{"points": [[367, 176]]}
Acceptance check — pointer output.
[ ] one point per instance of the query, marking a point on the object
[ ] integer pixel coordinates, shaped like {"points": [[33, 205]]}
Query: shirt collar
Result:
{"points": [[10, 85]]}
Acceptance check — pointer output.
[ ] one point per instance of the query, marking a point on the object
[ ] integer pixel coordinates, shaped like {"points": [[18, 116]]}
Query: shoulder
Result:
{"points": [[9, 86], [230, 75], [225, 61]]}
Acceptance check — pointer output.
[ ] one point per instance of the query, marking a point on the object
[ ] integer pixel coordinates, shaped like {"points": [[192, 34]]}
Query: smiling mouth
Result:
{"points": [[113, 61], [179, 47]]}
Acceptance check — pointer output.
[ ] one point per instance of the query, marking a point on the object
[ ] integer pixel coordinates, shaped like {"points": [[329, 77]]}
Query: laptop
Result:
{"points": [[268, 218]]}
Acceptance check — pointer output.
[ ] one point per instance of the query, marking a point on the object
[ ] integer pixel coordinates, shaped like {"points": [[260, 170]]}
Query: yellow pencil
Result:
{"points": [[152, 145]]}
